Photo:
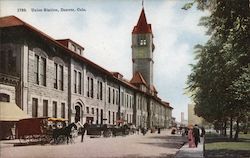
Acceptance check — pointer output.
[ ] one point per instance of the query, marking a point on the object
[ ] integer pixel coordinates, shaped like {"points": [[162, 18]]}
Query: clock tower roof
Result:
{"points": [[138, 79], [142, 25]]}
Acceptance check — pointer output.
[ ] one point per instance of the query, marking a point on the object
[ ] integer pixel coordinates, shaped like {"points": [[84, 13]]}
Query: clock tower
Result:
{"points": [[142, 49]]}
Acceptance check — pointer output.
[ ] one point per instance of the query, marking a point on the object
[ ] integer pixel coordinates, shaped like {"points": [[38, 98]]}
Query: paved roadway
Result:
{"points": [[150, 145]]}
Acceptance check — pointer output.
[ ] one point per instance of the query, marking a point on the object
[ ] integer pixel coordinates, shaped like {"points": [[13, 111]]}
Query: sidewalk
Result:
{"points": [[186, 152]]}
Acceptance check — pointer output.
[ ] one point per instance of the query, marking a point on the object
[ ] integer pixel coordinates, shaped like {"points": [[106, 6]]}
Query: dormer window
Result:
{"points": [[73, 48]]}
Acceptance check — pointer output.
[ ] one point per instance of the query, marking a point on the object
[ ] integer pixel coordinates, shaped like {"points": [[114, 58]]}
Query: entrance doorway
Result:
{"points": [[78, 113]]}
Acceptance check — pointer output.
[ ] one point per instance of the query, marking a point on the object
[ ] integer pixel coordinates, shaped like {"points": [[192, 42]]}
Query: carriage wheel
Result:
{"points": [[107, 133], [61, 139], [23, 139]]}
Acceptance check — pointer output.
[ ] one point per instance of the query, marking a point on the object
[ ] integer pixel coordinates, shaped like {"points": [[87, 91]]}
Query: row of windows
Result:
{"points": [[46, 108], [114, 115], [113, 94], [40, 73], [77, 82], [141, 104], [114, 98]]}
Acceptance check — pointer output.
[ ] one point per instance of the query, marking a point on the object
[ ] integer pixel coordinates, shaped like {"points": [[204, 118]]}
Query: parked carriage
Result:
{"points": [[107, 130], [41, 129]]}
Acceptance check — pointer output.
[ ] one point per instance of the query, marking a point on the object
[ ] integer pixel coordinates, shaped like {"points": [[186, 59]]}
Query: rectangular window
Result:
{"points": [[122, 99], [61, 77], [36, 65], [101, 90], [43, 71], [75, 81], [87, 110], [113, 96], [117, 97], [130, 101], [34, 107], [3, 62], [55, 76], [127, 101], [93, 111], [97, 116], [98, 89], [92, 88], [109, 95], [54, 109], [109, 117], [45, 108], [88, 93], [63, 110], [79, 83], [113, 118]]}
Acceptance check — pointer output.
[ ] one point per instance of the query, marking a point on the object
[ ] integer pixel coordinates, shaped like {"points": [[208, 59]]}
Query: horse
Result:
{"points": [[64, 132]]}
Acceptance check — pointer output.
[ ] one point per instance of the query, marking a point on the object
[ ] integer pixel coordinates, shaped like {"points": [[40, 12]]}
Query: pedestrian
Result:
{"points": [[196, 134], [203, 131], [138, 130], [191, 142], [159, 130], [84, 129]]}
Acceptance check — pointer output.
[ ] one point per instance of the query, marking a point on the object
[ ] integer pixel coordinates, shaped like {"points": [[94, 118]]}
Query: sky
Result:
{"points": [[104, 29]]}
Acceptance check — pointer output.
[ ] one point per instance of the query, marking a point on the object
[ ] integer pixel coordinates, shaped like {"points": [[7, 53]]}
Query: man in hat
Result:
{"points": [[196, 134]]}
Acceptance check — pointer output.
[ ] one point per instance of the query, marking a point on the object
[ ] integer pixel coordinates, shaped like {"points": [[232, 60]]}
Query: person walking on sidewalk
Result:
{"points": [[196, 133], [191, 143], [84, 129]]}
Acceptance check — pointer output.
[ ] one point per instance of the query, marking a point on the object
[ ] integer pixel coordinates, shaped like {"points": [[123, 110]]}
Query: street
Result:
{"points": [[150, 145]]}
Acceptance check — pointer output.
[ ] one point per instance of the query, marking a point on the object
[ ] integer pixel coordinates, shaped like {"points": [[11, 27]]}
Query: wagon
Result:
{"points": [[38, 129], [107, 130]]}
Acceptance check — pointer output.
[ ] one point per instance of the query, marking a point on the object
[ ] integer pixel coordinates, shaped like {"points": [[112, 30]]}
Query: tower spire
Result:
{"points": [[142, 3], [142, 25]]}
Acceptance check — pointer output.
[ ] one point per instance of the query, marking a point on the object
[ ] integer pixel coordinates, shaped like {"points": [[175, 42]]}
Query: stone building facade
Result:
{"points": [[48, 77]]}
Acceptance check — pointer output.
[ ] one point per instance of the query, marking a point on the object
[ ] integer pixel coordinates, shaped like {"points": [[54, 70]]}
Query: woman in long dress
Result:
{"points": [[191, 138]]}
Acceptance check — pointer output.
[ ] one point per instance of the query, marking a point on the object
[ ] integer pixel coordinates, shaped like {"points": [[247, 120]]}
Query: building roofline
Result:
{"points": [[13, 21]]}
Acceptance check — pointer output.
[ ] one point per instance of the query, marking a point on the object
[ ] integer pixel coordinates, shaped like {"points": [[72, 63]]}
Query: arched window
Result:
{"points": [[78, 112]]}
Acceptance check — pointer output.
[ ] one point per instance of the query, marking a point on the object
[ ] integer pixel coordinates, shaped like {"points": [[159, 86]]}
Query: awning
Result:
{"points": [[11, 112]]}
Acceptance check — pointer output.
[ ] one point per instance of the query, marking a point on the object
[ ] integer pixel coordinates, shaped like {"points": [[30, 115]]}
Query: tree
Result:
{"points": [[219, 79]]}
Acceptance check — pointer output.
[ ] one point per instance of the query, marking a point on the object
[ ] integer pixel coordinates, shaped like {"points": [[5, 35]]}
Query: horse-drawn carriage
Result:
{"points": [[44, 130]]}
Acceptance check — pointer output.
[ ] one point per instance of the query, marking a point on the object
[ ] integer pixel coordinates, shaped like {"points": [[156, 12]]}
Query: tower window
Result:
{"points": [[143, 42]]}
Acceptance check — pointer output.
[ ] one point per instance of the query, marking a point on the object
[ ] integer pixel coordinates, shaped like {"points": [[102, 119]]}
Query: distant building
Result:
{"points": [[183, 121], [192, 118], [182, 116], [48, 77]]}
